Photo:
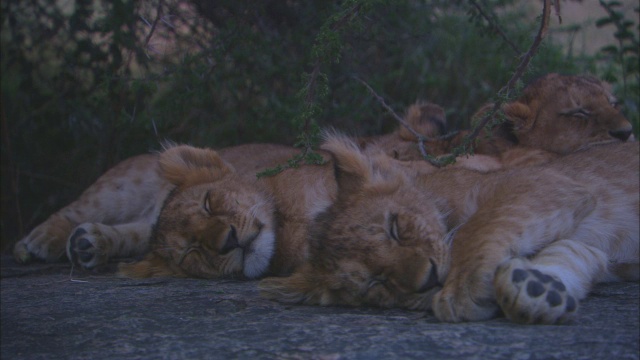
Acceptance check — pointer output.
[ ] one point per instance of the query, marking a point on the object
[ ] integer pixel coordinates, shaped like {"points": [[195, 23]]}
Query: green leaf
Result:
{"points": [[610, 49], [603, 21]]}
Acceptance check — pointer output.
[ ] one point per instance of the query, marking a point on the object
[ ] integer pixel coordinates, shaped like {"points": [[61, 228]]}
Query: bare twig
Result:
{"points": [[505, 90], [421, 138], [155, 24], [495, 26]]}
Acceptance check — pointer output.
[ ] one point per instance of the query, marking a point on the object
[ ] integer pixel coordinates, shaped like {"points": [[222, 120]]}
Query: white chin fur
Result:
{"points": [[258, 257]]}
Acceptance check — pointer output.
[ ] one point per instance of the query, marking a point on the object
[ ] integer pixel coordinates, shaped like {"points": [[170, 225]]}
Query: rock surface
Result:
{"points": [[49, 313]]}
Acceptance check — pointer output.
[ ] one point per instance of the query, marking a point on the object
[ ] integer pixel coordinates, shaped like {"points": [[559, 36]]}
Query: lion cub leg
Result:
{"points": [[516, 221], [46, 241], [546, 288], [93, 244], [130, 191]]}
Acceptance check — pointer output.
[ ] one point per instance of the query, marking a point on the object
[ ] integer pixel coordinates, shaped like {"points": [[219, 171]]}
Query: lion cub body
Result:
{"points": [[555, 115], [529, 241], [195, 212]]}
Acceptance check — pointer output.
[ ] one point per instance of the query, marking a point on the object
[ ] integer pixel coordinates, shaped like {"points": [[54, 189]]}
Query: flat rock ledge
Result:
{"points": [[48, 312]]}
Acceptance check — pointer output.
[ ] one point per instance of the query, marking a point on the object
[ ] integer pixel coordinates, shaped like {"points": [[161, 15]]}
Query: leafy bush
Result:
{"points": [[88, 83]]}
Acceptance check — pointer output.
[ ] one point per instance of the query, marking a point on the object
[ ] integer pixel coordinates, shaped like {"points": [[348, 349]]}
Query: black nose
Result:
{"points": [[620, 134], [231, 242]]}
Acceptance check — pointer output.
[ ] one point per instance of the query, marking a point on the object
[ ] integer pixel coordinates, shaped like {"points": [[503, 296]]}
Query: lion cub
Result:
{"points": [[528, 241], [555, 115], [197, 212]]}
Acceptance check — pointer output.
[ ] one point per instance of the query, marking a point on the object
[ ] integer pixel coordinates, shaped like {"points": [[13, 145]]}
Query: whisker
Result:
{"points": [[448, 237]]}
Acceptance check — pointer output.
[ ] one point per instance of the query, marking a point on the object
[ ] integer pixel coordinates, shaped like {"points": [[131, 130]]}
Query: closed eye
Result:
{"points": [[617, 105], [579, 113], [207, 203], [393, 227]]}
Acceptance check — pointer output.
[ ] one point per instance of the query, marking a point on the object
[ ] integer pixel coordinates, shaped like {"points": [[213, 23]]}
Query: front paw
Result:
{"points": [[87, 247], [453, 304], [46, 242], [529, 296]]}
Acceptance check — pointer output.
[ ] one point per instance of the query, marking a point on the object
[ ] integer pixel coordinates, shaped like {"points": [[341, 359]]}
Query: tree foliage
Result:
{"points": [[88, 83]]}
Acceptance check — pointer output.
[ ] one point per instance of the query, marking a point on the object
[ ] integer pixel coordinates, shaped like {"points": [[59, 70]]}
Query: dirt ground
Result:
{"points": [[49, 314]]}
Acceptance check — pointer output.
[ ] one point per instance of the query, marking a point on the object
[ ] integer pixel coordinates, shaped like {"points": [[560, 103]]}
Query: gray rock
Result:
{"points": [[50, 313]]}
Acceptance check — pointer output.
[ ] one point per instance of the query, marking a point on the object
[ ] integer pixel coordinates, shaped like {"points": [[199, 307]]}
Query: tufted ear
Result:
{"points": [[426, 118], [185, 165], [153, 265], [352, 168], [519, 114]]}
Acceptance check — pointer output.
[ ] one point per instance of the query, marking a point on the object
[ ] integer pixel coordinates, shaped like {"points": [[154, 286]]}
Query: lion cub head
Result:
{"points": [[562, 114], [212, 224], [382, 242]]}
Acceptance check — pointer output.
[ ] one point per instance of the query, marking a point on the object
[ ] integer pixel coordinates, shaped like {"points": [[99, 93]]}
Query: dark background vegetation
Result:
{"points": [[86, 84]]}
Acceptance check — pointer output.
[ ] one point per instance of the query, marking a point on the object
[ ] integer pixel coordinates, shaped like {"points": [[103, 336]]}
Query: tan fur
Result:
{"points": [[555, 115], [425, 118], [231, 233], [233, 224], [453, 240], [105, 206]]}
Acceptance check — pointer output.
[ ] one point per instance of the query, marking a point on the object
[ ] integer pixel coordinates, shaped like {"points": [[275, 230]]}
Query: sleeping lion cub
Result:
{"points": [[196, 212], [555, 115], [528, 241]]}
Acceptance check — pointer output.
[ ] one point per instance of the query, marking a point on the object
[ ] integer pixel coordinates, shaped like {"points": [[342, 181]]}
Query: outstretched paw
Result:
{"points": [[45, 242], [86, 247], [529, 296]]}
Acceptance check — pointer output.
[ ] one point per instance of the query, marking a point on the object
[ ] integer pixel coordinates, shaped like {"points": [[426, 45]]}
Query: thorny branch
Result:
{"points": [[153, 26], [421, 138], [495, 26], [505, 90]]}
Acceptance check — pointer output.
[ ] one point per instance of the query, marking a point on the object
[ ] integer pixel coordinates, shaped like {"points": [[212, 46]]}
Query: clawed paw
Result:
{"points": [[46, 242], [84, 247], [529, 296]]}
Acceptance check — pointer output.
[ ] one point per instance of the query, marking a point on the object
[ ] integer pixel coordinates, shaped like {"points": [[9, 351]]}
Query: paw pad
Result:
{"points": [[80, 247], [530, 296], [540, 284]]}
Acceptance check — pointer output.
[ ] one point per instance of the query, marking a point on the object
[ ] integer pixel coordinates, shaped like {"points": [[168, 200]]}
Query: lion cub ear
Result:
{"points": [[185, 165], [153, 265], [519, 114], [426, 118], [352, 168]]}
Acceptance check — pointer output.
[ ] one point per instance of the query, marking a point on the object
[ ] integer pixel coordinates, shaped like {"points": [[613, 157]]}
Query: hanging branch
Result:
{"points": [[524, 63], [421, 138], [504, 92], [495, 26], [153, 26]]}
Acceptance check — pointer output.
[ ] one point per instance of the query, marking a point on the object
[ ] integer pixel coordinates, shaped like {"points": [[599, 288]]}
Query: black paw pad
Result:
{"points": [[535, 289], [76, 234], [553, 298], [84, 244], [533, 297], [79, 246], [519, 275]]}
